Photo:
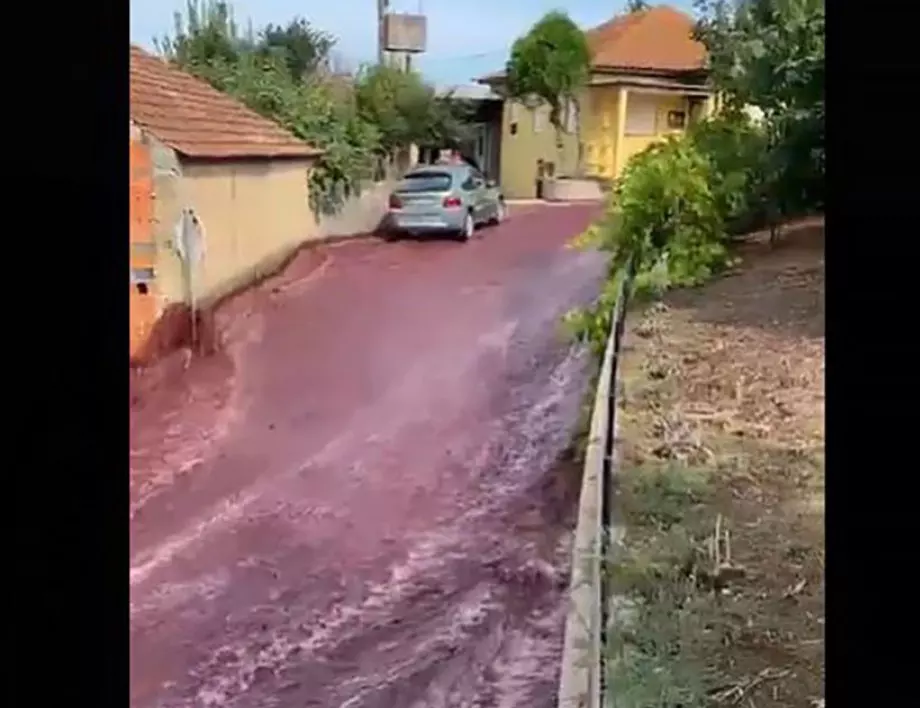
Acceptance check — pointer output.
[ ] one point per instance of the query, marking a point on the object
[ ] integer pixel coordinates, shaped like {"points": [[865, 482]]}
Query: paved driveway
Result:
{"points": [[357, 505]]}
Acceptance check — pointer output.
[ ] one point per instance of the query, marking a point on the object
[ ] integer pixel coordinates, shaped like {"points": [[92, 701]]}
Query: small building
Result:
{"points": [[219, 194], [648, 80]]}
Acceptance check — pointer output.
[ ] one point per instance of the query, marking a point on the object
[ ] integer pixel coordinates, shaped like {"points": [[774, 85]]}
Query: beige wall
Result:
{"points": [[664, 103], [603, 155], [359, 215], [255, 213], [535, 139]]}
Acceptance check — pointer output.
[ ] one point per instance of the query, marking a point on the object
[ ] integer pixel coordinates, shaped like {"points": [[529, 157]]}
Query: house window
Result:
{"points": [[539, 119], [640, 115], [677, 120]]}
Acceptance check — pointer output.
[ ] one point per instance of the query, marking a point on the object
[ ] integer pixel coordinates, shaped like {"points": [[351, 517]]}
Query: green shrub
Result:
{"points": [[280, 72], [736, 149], [666, 221], [311, 110]]}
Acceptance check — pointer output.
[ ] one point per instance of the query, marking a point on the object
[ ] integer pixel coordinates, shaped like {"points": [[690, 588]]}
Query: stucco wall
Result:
{"points": [[664, 103], [603, 157], [359, 215], [520, 152], [599, 128], [255, 213]]}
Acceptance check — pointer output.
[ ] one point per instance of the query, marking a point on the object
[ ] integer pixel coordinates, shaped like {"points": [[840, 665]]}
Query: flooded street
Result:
{"points": [[360, 503]]}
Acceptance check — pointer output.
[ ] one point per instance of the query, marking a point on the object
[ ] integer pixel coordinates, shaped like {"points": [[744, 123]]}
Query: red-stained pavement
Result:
{"points": [[356, 503]]}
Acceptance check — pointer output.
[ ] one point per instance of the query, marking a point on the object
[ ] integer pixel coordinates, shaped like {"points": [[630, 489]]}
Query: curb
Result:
{"points": [[581, 676], [582, 682]]}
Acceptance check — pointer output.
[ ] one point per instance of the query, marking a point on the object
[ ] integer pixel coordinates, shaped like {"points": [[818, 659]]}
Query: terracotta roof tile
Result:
{"points": [[197, 120], [654, 39], [658, 38]]}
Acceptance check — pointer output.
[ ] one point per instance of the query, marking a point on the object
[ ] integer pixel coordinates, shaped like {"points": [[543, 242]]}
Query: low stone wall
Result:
{"points": [[360, 215]]}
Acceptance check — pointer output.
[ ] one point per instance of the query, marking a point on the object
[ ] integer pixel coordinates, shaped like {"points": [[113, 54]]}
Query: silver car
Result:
{"points": [[451, 199]]}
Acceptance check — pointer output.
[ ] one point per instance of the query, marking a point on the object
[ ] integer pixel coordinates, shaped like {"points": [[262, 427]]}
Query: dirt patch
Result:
{"points": [[722, 488]]}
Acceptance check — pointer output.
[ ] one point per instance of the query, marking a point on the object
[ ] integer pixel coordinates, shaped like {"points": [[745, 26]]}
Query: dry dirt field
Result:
{"points": [[722, 488]]}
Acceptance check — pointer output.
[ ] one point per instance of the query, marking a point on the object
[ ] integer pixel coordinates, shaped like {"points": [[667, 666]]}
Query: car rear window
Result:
{"points": [[425, 182]]}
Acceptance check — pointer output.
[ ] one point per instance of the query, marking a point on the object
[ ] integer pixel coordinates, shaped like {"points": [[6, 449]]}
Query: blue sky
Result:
{"points": [[466, 38]]}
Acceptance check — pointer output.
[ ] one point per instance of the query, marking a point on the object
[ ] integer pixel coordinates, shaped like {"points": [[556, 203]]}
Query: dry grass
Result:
{"points": [[722, 489]]}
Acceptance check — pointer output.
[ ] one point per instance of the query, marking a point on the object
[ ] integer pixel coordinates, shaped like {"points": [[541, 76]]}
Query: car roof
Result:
{"points": [[451, 169]]}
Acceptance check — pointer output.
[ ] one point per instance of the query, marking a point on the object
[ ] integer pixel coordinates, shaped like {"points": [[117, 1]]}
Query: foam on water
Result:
{"points": [[473, 614]]}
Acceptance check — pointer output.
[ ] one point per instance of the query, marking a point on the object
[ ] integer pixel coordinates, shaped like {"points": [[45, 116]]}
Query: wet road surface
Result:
{"points": [[358, 504]]}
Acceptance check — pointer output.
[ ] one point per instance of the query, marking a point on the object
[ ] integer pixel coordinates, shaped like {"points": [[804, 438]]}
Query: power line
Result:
{"points": [[459, 57]]}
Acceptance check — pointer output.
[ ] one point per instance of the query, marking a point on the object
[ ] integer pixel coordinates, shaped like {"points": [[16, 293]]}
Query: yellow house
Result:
{"points": [[648, 80]]}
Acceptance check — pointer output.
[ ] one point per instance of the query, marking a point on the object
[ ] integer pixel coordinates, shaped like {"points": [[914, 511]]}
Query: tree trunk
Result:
{"points": [[560, 145], [580, 157]]}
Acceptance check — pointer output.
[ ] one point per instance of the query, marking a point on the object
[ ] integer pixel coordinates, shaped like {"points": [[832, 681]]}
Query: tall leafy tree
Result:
{"points": [[206, 34], [551, 63], [304, 47], [283, 72], [407, 110], [269, 70], [770, 53]]}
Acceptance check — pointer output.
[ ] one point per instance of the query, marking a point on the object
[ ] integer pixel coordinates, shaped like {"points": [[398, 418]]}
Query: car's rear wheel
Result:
{"points": [[469, 226]]}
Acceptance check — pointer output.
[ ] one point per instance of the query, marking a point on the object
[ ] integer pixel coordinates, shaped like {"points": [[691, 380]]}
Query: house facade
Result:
{"points": [[648, 80], [219, 195]]}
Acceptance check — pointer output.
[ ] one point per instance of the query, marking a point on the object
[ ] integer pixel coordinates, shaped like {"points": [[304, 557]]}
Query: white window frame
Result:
{"points": [[641, 116], [540, 118], [514, 110]]}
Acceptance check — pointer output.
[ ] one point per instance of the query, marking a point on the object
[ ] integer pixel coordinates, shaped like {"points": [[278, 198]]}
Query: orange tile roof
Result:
{"points": [[656, 39], [197, 120]]}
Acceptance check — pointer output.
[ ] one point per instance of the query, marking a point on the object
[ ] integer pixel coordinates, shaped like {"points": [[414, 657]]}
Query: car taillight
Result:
{"points": [[395, 202], [451, 202]]}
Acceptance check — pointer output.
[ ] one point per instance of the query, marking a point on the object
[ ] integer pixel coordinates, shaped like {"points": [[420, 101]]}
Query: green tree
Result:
{"points": [[551, 63], [266, 77], [407, 110], [305, 48], [205, 35], [664, 225], [770, 53], [280, 71], [668, 217]]}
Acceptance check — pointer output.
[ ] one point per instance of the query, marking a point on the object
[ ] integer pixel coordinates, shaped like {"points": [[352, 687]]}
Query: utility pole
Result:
{"points": [[382, 7]]}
